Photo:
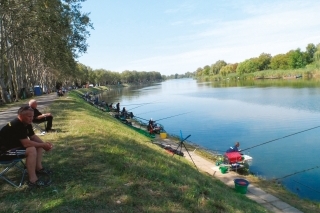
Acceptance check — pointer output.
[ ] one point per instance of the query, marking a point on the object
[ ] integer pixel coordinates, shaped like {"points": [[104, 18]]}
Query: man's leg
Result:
{"points": [[39, 159], [38, 121], [49, 122], [31, 160]]}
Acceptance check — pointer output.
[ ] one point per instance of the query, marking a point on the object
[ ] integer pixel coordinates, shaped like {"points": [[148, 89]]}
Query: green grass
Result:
{"points": [[100, 165]]}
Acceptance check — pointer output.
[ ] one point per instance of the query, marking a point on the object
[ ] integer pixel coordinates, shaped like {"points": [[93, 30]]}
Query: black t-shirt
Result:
{"points": [[36, 114], [13, 132]]}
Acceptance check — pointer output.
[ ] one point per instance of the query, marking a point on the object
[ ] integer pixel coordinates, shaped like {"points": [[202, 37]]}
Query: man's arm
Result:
{"points": [[39, 115], [36, 142]]}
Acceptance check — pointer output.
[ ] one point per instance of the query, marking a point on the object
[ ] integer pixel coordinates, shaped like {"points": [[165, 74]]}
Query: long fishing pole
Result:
{"points": [[162, 118], [137, 107], [282, 137], [140, 118], [137, 104], [172, 116], [305, 170], [151, 111], [140, 105]]}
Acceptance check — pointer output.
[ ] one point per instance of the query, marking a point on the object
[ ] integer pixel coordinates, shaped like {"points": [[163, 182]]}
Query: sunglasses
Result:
{"points": [[24, 108]]}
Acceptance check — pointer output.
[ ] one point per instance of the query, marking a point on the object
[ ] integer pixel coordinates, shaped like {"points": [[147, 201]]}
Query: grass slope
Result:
{"points": [[100, 165]]}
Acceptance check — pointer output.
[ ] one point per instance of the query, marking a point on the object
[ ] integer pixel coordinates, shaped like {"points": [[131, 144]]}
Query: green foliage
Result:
{"points": [[229, 68], [248, 66], [310, 51], [264, 61], [279, 61], [296, 59], [216, 67]]}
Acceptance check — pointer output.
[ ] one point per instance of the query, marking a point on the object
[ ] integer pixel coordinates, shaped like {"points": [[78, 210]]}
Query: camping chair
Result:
{"points": [[38, 127], [9, 165]]}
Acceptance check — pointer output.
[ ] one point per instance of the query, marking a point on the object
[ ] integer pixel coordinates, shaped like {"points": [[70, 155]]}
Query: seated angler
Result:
{"points": [[118, 107], [18, 140], [124, 113], [38, 117], [235, 148]]}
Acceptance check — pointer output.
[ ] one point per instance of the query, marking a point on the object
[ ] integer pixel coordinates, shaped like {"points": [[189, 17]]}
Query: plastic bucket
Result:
{"points": [[163, 135], [223, 169], [241, 185]]}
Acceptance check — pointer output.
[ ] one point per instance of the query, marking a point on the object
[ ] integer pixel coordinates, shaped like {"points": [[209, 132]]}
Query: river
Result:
{"points": [[277, 122]]}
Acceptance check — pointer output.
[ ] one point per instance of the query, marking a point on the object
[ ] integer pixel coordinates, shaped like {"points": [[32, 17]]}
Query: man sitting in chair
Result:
{"points": [[18, 137], [38, 117]]}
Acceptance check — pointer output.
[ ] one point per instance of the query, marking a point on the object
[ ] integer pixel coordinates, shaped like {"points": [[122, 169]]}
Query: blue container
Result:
{"points": [[241, 185], [37, 91]]}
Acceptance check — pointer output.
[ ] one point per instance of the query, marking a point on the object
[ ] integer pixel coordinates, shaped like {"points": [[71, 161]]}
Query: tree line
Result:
{"points": [[294, 59], [104, 77], [40, 41]]}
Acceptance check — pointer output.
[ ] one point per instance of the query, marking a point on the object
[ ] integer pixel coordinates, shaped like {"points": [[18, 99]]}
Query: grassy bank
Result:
{"points": [[100, 165]]}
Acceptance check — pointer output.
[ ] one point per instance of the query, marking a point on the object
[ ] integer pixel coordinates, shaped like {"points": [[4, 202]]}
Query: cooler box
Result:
{"points": [[233, 157]]}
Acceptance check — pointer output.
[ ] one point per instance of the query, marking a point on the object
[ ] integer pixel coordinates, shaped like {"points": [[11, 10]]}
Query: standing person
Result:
{"points": [[234, 148], [38, 117], [18, 137]]}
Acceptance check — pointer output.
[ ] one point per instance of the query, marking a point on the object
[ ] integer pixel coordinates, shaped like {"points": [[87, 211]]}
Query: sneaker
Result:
{"points": [[44, 171], [38, 183], [42, 133]]}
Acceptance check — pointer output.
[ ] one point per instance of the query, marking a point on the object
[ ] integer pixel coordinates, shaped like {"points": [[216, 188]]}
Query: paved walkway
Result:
{"points": [[269, 201], [11, 113]]}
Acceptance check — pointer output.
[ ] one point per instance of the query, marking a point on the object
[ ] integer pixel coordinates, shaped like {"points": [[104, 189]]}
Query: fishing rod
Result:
{"points": [[305, 170], [151, 111], [162, 118], [138, 104], [140, 118], [172, 116], [136, 107], [282, 137]]}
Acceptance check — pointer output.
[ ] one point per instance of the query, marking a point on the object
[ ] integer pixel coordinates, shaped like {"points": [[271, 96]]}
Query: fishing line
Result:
{"points": [[281, 138], [306, 186], [151, 111], [137, 107], [172, 116], [140, 118], [305, 170], [137, 104], [163, 118], [140, 105]]}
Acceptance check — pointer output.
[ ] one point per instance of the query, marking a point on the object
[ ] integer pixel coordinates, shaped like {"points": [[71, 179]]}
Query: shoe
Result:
{"points": [[44, 171], [51, 130], [38, 183], [42, 133]]}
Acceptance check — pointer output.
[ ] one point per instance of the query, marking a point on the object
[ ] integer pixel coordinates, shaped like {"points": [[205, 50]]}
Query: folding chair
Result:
{"points": [[36, 126], [9, 165]]}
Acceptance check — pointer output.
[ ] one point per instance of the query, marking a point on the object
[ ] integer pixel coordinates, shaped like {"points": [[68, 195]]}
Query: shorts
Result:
{"points": [[14, 153]]}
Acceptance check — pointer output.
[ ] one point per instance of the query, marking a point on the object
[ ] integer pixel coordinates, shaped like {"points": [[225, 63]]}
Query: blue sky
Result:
{"points": [[177, 36]]}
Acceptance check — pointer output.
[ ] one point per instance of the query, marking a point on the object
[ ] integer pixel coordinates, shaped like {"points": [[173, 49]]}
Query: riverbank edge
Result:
{"points": [[270, 186]]}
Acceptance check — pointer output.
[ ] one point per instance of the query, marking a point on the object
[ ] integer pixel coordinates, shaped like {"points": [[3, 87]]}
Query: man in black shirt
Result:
{"points": [[38, 117], [18, 135]]}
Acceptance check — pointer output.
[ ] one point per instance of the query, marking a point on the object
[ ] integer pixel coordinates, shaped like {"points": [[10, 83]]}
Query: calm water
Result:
{"points": [[219, 114]]}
